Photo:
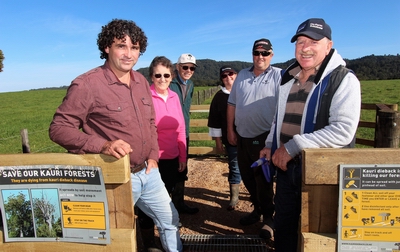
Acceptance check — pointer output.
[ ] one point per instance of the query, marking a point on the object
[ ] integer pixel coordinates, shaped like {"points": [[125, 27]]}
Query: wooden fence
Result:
{"points": [[386, 126], [200, 96], [320, 191], [116, 174]]}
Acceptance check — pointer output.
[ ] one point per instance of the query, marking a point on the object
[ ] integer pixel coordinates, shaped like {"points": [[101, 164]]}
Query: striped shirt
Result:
{"points": [[295, 106]]}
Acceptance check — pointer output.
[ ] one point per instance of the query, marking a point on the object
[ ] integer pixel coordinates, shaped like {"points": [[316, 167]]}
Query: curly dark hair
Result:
{"points": [[118, 28], [161, 60]]}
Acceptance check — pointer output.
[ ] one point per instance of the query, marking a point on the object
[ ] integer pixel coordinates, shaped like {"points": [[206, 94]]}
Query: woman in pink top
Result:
{"points": [[171, 137], [169, 121]]}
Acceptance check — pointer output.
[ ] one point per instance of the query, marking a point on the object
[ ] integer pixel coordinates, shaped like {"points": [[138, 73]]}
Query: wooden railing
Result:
{"points": [[200, 150], [386, 126], [201, 95]]}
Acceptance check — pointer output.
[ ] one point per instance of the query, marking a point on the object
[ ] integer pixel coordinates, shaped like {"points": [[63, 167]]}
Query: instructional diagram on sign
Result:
{"points": [[369, 208]]}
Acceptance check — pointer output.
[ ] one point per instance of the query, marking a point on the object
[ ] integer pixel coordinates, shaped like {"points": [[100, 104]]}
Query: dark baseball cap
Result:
{"points": [[314, 28], [226, 69], [263, 44]]}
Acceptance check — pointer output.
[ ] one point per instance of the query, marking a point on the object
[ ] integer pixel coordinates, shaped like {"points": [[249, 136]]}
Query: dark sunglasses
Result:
{"points": [[158, 76], [186, 68], [263, 53], [223, 76]]}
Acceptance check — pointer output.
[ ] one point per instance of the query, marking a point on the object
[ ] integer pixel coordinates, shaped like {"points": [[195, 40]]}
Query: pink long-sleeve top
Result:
{"points": [[170, 125]]}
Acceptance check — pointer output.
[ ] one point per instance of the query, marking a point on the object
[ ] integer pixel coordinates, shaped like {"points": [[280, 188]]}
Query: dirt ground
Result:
{"points": [[208, 189]]}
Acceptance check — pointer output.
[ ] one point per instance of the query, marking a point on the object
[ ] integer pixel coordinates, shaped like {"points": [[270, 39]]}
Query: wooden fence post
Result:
{"points": [[387, 131], [25, 141]]}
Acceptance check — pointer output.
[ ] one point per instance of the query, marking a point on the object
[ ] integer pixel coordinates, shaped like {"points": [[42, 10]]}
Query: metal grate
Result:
{"points": [[231, 243]]}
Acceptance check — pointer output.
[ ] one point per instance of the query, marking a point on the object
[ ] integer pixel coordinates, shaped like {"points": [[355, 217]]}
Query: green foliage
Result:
{"points": [[31, 110], [371, 67], [19, 216], [34, 110], [386, 67], [1, 60], [376, 91]]}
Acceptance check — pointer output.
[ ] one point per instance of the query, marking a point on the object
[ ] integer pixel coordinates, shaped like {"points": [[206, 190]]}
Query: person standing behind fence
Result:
{"points": [[319, 107], [184, 87], [251, 107], [109, 110], [217, 123]]}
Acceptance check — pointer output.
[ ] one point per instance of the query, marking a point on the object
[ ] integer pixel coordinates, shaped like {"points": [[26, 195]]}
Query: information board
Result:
{"points": [[369, 208], [54, 203]]}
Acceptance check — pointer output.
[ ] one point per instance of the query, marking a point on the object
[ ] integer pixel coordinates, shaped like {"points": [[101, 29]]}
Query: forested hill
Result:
{"points": [[366, 68]]}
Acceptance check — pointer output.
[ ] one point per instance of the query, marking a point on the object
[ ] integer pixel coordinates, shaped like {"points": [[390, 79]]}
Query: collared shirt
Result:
{"points": [[182, 81], [105, 110], [255, 99]]}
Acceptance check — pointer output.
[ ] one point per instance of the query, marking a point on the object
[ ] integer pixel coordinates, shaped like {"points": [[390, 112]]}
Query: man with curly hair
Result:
{"points": [[109, 110]]}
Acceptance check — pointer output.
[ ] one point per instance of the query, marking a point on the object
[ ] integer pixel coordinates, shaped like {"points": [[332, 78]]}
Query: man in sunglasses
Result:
{"points": [[183, 86], [251, 108]]}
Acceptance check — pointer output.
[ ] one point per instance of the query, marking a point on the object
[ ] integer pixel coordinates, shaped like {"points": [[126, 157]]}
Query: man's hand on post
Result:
{"points": [[117, 148]]}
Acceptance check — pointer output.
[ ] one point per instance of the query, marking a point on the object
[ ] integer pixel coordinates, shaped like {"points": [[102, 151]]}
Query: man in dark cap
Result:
{"points": [[251, 108], [318, 107]]}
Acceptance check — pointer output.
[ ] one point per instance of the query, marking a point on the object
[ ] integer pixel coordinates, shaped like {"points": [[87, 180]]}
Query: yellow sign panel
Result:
{"points": [[82, 207], [81, 214], [370, 234], [369, 208], [84, 221], [377, 208]]}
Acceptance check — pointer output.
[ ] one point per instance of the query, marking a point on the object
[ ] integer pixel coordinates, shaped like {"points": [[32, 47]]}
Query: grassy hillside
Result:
{"points": [[33, 110]]}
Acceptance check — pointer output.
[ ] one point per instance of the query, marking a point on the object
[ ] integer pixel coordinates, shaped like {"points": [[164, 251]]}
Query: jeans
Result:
{"points": [[234, 173], [287, 207], [151, 196]]}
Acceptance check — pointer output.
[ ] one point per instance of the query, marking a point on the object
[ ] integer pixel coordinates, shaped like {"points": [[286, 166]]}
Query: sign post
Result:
{"points": [[54, 203], [369, 208]]}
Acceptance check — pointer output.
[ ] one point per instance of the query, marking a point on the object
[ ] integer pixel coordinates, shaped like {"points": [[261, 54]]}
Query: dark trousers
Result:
{"points": [[287, 207], [182, 176], [169, 174], [261, 192]]}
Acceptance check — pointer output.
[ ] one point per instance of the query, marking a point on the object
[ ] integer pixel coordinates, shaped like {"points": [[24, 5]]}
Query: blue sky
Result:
{"points": [[49, 43]]}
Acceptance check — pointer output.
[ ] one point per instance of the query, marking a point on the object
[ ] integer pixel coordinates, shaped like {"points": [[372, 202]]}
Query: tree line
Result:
{"points": [[372, 67], [386, 67]]}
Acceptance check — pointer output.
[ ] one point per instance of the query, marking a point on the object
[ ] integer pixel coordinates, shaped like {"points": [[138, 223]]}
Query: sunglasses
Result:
{"points": [[158, 76], [186, 68], [223, 76], [263, 53]]}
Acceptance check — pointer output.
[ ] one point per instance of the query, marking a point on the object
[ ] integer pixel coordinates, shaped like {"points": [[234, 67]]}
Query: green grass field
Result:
{"points": [[33, 110]]}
